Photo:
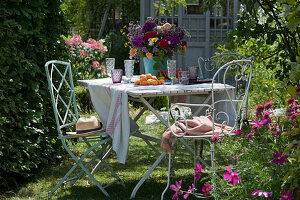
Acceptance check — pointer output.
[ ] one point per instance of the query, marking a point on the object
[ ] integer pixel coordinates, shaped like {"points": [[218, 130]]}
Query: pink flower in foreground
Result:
{"points": [[268, 105], [206, 189], [215, 138], [278, 158], [287, 195], [197, 171], [177, 189], [238, 132], [260, 193], [267, 115], [231, 176], [291, 101], [190, 190], [249, 135]]}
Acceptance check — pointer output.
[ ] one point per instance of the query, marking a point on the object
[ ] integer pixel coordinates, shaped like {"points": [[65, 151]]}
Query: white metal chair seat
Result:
{"points": [[62, 93], [241, 71]]}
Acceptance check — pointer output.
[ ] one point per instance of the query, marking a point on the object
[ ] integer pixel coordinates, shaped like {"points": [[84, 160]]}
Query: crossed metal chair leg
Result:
{"points": [[84, 169]]}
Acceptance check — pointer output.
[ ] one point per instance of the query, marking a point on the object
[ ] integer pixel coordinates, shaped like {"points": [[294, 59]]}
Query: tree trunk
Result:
{"points": [[104, 20]]}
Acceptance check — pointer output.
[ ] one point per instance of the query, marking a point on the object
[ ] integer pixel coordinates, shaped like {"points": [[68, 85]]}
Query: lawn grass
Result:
{"points": [[140, 158]]}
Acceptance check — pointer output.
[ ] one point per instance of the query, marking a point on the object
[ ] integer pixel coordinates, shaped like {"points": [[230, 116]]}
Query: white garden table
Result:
{"points": [[111, 103]]}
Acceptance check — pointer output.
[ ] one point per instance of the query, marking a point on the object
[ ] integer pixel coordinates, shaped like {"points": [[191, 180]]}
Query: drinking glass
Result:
{"points": [[193, 72], [116, 75], [129, 66], [110, 65], [183, 77], [171, 65]]}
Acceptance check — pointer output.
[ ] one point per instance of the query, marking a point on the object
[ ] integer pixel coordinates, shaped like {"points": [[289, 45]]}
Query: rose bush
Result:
{"points": [[87, 57]]}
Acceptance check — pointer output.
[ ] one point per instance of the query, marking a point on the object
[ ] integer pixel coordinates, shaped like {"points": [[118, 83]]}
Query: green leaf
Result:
{"points": [[161, 53], [291, 90]]}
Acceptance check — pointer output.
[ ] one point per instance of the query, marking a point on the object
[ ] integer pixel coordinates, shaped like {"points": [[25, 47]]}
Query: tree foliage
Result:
{"points": [[29, 35]]}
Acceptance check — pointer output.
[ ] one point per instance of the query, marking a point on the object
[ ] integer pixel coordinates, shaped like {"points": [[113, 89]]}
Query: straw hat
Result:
{"points": [[87, 126]]}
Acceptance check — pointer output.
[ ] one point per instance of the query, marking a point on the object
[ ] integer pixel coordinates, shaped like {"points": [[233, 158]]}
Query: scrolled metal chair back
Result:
{"points": [[236, 73], [60, 81]]}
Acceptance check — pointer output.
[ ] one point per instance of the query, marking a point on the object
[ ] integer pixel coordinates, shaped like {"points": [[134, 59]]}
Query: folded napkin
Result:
{"points": [[197, 126]]}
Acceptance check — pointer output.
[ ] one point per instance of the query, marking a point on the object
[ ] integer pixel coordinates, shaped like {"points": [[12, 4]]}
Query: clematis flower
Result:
{"points": [[279, 159], [177, 189], [249, 136], [206, 189], [268, 105], [231, 176], [259, 110], [138, 42], [190, 190], [260, 193], [197, 171], [215, 138], [291, 101], [238, 132], [287, 195]]}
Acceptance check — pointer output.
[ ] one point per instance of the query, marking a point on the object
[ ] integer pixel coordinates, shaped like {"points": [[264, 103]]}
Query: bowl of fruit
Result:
{"points": [[149, 79]]}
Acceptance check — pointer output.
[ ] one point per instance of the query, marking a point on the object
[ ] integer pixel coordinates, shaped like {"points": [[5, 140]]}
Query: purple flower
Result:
{"points": [[148, 26], [173, 39], [278, 158], [291, 101], [260, 193], [287, 195], [155, 49], [238, 132], [231, 176], [206, 189], [268, 105], [181, 35], [144, 49], [138, 42], [197, 171], [177, 189], [190, 190]]}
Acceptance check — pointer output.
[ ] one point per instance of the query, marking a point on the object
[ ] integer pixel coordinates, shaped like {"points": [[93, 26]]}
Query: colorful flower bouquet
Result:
{"points": [[155, 40], [87, 57]]}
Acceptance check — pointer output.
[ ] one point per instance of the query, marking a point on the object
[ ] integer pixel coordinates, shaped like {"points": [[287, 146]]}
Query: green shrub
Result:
{"points": [[83, 100], [29, 35]]}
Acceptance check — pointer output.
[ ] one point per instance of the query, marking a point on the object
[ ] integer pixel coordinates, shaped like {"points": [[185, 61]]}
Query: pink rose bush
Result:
{"points": [[87, 57]]}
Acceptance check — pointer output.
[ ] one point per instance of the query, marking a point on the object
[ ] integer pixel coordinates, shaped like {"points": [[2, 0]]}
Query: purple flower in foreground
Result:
{"points": [[177, 189], [278, 158], [206, 189], [238, 132], [268, 105], [260, 193], [287, 195], [190, 190], [231, 176], [197, 171]]}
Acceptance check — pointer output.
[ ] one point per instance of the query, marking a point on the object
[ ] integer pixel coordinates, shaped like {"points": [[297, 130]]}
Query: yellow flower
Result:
{"points": [[125, 44], [130, 24], [124, 26], [184, 48], [127, 34], [123, 33], [154, 39], [121, 30]]}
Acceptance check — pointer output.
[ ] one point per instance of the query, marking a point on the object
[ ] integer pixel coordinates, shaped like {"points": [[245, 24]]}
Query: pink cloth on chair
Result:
{"points": [[197, 126]]}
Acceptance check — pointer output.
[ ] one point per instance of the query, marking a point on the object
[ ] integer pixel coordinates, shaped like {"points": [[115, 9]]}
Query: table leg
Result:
{"points": [[147, 174]]}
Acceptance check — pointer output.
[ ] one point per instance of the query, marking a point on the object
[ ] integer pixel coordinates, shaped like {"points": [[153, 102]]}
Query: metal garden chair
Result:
{"points": [[62, 93], [240, 71]]}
